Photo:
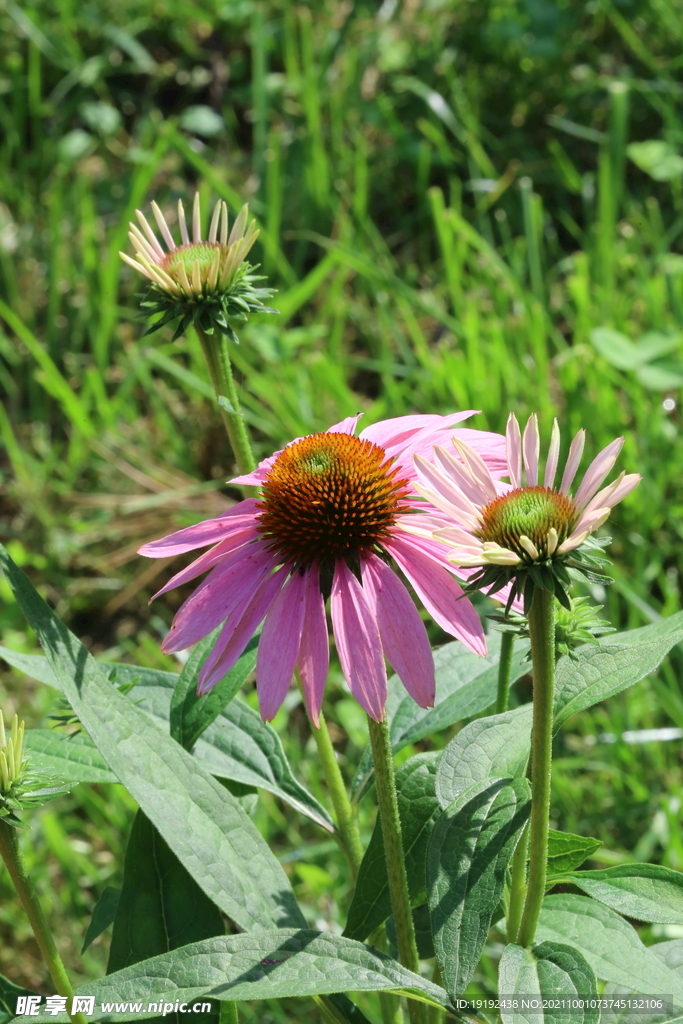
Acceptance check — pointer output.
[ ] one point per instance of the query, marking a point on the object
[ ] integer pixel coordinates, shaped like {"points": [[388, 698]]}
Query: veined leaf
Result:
{"points": [[74, 758], [262, 965], [488, 748], [468, 853], [202, 823], [102, 916], [549, 972], [647, 892], [567, 851], [608, 942]]}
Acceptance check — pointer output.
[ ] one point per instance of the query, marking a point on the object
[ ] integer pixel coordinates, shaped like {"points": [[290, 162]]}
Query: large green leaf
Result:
{"points": [[647, 892], [567, 851], [527, 978], [467, 856], [241, 747], [237, 745], [608, 942], [74, 758], [671, 954], [465, 685], [619, 661], [488, 748], [417, 807], [191, 715], [200, 820], [264, 965], [161, 907]]}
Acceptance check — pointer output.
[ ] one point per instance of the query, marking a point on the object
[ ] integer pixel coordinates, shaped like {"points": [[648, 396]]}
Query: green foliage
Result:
{"points": [[646, 892], [567, 851], [548, 970], [467, 856]]}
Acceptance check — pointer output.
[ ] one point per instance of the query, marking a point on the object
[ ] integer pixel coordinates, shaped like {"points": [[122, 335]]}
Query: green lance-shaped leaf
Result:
{"points": [[103, 915], [609, 943], [546, 974], [203, 824], [74, 757], [619, 661], [237, 746], [191, 715], [465, 685], [647, 892], [670, 953], [161, 907], [262, 965], [468, 852], [417, 808], [567, 851], [488, 748]]}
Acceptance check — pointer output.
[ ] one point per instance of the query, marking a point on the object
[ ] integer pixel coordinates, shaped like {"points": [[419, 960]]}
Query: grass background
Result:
{"points": [[462, 205]]}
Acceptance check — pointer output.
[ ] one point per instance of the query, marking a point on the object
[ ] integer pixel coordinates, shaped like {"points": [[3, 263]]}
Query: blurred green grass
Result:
{"points": [[453, 198]]}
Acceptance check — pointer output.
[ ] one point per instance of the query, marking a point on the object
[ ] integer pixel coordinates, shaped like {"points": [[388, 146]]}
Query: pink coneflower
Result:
{"points": [[206, 281], [526, 534], [332, 514]]}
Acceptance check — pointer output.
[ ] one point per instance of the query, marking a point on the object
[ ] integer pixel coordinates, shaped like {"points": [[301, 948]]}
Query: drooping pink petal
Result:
{"points": [[597, 471], [439, 592], [573, 460], [210, 558], [202, 534], [491, 447], [258, 475], [224, 591], [279, 646], [313, 661], [457, 485], [590, 521], [553, 456], [624, 485], [358, 644], [513, 443], [238, 631], [531, 444], [402, 631]]}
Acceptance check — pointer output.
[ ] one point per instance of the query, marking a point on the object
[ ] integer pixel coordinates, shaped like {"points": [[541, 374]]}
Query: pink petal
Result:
{"points": [[402, 631], [238, 631], [347, 426], [553, 456], [531, 446], [358, 644], [440, 594], [202, 534], [590, 521], [397, 431], [491, 447], [477, 469], [456, 484], [597, 471], [575, 453], [313, 661], [513, 441], [258, 475], [222, 593], [210, 558], [279, 646]]}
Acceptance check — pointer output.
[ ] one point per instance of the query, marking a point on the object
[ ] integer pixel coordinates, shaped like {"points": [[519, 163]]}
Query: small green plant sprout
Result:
{"points": [[21, 785], [207, 283], [574, 626]]}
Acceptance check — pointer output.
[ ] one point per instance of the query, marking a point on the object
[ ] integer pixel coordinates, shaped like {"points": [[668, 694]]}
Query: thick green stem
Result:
{"points": [[542, 633], [12, 856], [507, 641], [385, 780], [346, 821], [228, 1013], [215, 348]]}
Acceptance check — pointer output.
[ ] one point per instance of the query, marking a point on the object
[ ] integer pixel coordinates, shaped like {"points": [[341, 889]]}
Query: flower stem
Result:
{"points": [[542, 633], [347, 824], [507, 641], [215, 348], [393, 848], [16, 865]]}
